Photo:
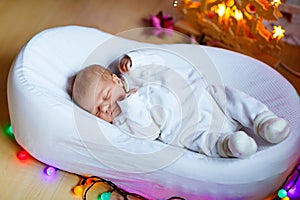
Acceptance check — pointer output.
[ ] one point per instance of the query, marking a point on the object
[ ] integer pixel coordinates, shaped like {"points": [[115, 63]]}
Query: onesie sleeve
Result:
{"points": [[145, 57], [135, 119]]}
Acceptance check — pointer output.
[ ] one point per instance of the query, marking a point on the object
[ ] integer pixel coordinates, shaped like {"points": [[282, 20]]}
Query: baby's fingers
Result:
{"points": [[127, 66], [123, 69]]}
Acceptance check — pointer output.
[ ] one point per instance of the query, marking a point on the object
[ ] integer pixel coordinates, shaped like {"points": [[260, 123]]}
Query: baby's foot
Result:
{"points": [[271, 128], [237, 144]]}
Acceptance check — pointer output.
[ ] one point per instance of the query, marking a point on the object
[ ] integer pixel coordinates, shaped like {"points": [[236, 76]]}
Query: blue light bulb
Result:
{"points": [[50, 171], [282, 193], [104, 196]]}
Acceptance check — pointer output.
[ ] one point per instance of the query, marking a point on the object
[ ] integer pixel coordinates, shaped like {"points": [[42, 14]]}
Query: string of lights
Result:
{"points": [[87, 183], [289, 189]]}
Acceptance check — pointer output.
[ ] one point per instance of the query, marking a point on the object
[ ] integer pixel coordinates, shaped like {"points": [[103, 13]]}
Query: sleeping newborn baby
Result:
{"points": [[149, 111]]}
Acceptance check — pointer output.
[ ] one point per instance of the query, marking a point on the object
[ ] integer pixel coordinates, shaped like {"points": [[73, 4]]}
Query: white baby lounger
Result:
{"points": [[55, 131]]}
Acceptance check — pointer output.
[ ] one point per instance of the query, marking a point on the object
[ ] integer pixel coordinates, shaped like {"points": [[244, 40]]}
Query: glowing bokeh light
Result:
{"points": [[22, 155], [8, 130], [275, 2], [104, 196], [278, 32], [89, 181], [282, 193], [221, 9], [78, 190], [50, 171]]}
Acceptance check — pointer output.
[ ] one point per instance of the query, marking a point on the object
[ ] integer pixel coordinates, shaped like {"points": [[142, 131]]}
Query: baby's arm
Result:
{"points": [[135, 119], [139, 58]]}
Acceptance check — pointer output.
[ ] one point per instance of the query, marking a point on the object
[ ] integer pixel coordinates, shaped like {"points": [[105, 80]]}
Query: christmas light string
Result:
{"points": [[288, 186], [123, 193], [283, 193], [94, 180]]}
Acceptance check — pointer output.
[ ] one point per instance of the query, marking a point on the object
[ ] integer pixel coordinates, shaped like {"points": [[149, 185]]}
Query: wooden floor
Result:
{"points": [[20, 20]]}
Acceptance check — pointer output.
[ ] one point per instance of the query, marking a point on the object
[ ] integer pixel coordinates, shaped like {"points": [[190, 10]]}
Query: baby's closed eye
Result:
{"points": [[106, 96]]}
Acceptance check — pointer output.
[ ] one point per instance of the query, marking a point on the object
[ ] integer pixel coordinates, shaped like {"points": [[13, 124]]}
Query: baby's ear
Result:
{"points": [[116, 79]]}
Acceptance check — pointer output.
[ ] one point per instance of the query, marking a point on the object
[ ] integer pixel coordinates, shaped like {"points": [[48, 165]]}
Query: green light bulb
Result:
{"points": [[8, 131], [282, 193], [104, 196]]}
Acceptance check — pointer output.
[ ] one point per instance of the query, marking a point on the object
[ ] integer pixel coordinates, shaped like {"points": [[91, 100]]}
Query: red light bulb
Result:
{"points": [[22, 155], [89, 181]]}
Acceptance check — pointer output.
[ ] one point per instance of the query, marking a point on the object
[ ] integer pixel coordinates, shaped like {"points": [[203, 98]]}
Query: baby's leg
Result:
{"points": [[233, 144], [250, 113], [236, 145]]}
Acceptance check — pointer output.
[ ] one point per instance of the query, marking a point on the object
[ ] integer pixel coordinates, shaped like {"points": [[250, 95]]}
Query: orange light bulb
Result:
{"points": [[78, 190]]}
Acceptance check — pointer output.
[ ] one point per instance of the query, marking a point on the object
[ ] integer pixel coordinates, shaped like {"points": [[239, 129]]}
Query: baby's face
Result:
{"points": [[101, 99], [108, 93]]}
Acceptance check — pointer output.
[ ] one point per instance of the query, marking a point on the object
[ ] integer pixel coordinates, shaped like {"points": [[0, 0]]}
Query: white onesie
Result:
{"points": [[186, 113]]}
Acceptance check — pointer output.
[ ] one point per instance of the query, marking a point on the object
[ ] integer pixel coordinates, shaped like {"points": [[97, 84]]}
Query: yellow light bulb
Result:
{"points": [[175, 3], [78, 190], [238, 15], [278, 32], [221, 9], [275, 2], [229, 3]]}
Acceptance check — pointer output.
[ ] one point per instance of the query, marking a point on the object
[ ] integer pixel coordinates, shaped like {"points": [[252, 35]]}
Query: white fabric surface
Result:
{"points": [[55, 131]]}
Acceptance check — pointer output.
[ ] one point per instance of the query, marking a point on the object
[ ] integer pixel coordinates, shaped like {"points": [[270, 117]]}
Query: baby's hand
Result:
{"points": [[125, 64]]}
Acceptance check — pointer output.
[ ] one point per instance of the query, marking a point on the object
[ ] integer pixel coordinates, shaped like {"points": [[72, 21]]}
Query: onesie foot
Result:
{"points": [[271, 128], [238, 145]]}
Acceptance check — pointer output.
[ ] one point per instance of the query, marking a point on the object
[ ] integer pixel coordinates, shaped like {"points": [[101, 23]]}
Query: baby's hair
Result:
{"points": [[70, 83], [84, 79]]}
